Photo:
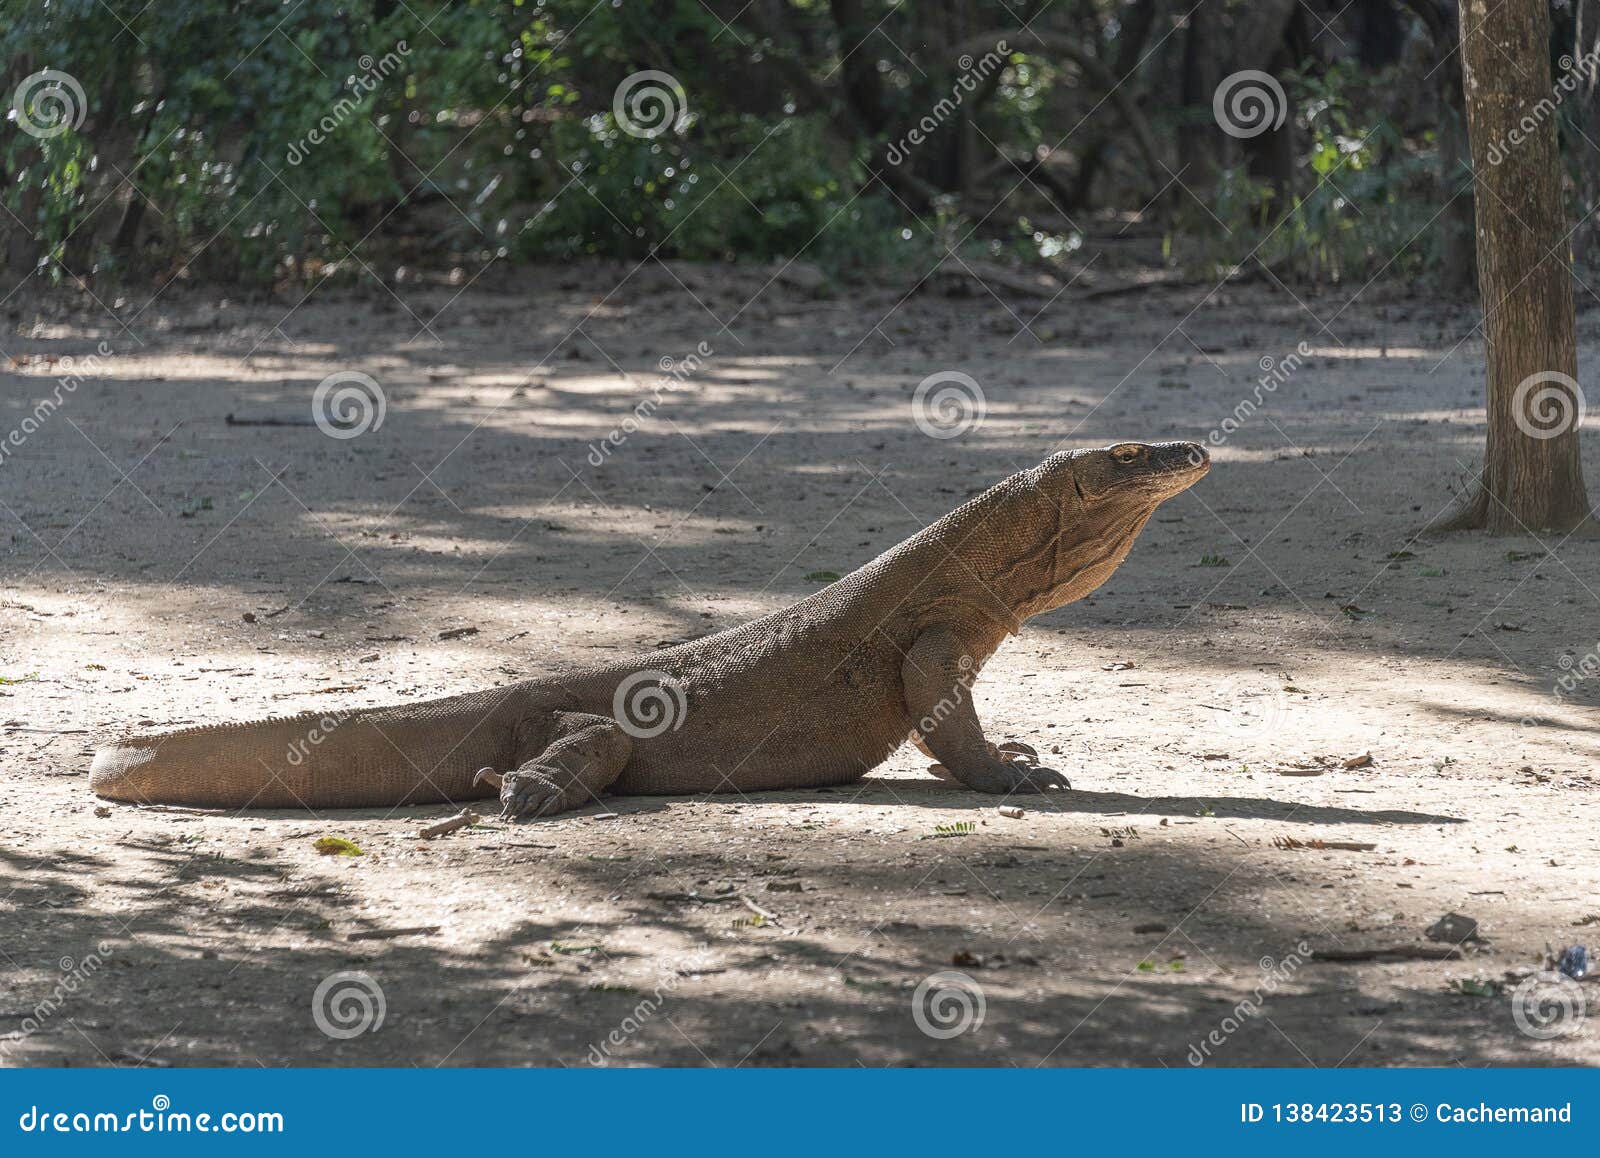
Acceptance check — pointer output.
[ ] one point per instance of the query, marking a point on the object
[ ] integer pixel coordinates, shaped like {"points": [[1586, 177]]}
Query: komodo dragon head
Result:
{"points": [[1136, 473], [1086, 508]]}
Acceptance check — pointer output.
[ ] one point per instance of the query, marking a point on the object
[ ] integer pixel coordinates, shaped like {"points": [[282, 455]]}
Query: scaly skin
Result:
{"points": [[818, 693]]}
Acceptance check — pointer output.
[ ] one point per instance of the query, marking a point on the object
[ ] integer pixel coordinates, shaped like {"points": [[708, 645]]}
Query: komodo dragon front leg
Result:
{"points": [[575, 757], [937, 675]]}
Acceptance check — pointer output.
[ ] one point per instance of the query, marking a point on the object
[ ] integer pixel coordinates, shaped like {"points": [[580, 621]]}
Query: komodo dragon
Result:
{"points": [[818, 693]]}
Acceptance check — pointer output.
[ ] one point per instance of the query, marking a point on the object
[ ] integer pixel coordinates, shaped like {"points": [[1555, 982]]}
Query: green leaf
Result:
{"points": [[337, 846]]}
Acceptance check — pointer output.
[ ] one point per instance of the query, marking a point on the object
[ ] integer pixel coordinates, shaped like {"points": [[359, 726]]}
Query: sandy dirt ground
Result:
{"points": [[162, 567]]}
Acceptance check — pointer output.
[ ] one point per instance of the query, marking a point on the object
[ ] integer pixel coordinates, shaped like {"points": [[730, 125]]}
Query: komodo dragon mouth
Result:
{"points": [[817, 693]]}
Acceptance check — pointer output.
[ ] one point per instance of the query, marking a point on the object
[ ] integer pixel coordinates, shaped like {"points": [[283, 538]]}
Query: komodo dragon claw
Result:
{"points": [[529, 793]]}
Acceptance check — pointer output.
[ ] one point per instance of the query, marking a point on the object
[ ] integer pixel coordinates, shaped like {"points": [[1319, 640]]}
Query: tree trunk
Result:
{"points": [[1532, 478], [1201, 145]]}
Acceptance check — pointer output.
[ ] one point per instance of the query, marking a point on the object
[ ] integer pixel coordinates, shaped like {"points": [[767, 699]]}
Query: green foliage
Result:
{"points": [[293, 142], [1361, 200]]}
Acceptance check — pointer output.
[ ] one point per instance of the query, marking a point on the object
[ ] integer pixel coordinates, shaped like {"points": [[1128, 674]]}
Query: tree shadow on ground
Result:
{"points": [[221, 961]]}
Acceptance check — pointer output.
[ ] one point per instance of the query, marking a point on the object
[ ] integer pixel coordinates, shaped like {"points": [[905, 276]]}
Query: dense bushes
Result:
{"points": [[270, 142]]}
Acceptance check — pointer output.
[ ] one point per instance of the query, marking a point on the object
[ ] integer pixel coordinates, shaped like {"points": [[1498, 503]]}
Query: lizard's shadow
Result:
{"points": [[931, 793]]}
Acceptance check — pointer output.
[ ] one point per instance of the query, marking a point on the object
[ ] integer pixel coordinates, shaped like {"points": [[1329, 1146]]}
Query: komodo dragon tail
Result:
{"points": [[411, 754]]}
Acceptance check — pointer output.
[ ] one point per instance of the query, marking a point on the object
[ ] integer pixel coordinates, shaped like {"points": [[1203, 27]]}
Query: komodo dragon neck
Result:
{"points": [[1016, 551]]}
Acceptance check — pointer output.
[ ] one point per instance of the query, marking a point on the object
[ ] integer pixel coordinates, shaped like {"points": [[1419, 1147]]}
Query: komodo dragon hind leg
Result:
{"points": [[937, 676], [576, 757]]}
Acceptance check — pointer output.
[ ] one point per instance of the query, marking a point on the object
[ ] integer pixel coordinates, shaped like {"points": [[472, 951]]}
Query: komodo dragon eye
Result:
{"points": [[1127, 455]]}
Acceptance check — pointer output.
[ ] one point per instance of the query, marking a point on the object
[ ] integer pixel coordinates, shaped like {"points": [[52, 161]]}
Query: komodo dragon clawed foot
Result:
{"points": [[581, 757], [1021, 773], [937, 674]]}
